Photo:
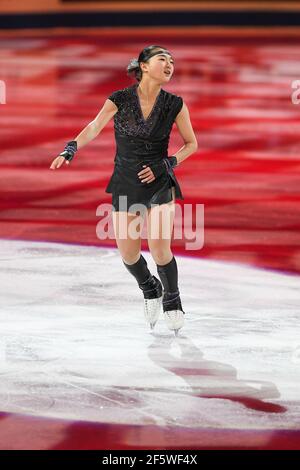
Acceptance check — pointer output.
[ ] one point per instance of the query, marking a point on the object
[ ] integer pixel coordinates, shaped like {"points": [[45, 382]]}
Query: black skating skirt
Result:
{"points": [[129, 194]]}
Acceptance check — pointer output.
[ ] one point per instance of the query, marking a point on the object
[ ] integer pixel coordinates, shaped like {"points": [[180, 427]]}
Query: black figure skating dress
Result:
{"points": [[142, 142]]}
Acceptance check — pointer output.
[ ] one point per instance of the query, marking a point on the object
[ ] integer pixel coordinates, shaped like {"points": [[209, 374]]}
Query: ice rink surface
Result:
{"points": [[75, 345]]}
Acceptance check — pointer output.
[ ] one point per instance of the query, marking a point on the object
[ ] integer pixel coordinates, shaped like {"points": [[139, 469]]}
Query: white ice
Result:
{"points": [[75, 344]]}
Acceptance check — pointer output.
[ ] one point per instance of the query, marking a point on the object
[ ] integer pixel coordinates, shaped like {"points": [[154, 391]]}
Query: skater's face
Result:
{"points": [[160, 67]]}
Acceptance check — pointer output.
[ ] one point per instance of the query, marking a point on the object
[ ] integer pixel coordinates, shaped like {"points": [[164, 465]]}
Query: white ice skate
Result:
{"points": [[152, 309], [152, 290], [174, 320], [173, 313]]}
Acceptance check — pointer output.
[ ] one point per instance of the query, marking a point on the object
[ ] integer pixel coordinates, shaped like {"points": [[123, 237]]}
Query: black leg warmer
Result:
{"points": [[168, 274], [149, 284], [139, 270]]}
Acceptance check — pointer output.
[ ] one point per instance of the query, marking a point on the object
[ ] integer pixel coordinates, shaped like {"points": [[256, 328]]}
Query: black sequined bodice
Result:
{"points": [[130, 121]]}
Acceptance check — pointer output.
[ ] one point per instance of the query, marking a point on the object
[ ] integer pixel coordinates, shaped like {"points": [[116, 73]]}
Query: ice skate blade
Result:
{"points": [[174, 320]]}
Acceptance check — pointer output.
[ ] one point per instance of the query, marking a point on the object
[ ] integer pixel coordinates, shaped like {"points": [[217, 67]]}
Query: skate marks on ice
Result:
{"points": [[75, 344]]}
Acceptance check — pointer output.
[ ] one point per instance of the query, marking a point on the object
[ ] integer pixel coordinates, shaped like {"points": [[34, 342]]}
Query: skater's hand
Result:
{"points": [[58, 162], [146, 175]]}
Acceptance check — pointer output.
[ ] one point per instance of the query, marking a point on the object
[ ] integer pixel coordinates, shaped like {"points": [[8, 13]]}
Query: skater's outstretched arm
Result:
{"points": [[91, 131]]}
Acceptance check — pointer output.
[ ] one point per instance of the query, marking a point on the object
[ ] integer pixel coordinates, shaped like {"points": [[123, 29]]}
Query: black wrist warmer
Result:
{"points": [[69, 150]]}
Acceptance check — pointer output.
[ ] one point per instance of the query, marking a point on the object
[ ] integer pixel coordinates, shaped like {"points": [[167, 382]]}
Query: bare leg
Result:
{"points": [[127, 239], [160, 221]]}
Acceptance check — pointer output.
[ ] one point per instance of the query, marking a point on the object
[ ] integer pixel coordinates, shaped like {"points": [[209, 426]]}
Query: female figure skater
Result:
{"points": [[143, 174]]}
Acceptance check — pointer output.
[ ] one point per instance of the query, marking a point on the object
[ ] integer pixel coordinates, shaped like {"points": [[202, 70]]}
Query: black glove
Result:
{"points": [[163, 166], [69, 150]]}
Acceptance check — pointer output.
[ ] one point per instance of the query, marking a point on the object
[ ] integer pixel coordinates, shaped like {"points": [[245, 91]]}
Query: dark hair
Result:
{"points": [[133, 68]]}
